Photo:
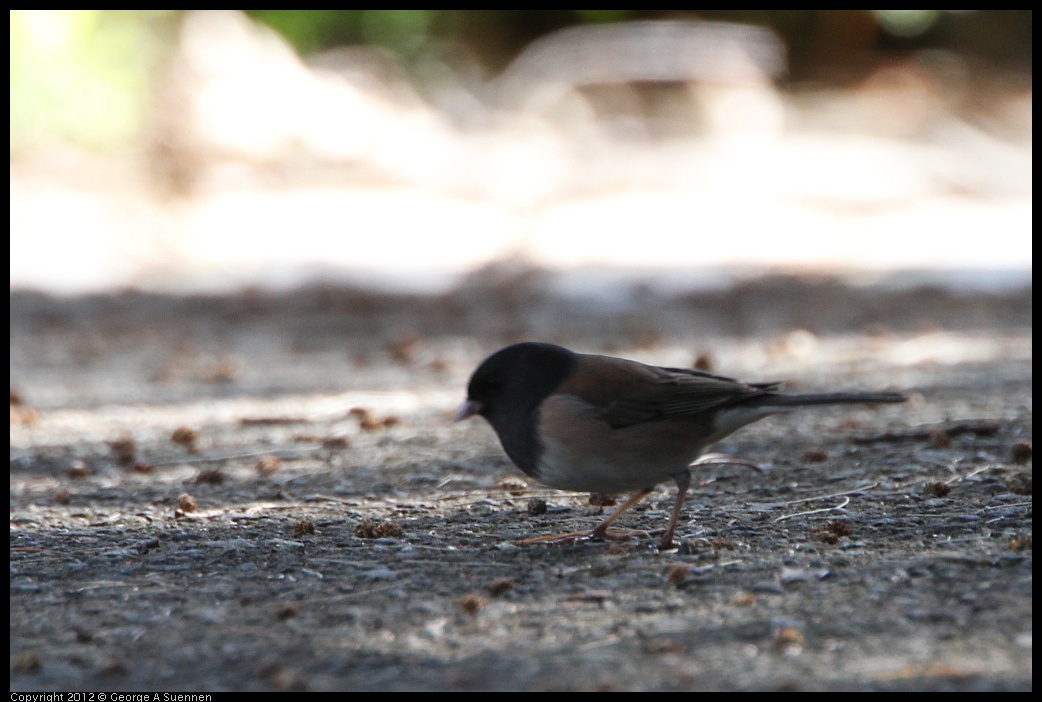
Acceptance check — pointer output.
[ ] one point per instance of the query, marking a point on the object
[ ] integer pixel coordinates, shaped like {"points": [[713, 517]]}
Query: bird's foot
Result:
{"points": [[726, 459], [576, 536], [666, 545]]}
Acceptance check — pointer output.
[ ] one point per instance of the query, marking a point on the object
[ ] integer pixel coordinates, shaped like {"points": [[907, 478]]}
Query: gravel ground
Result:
{"points": [[264, 492]]}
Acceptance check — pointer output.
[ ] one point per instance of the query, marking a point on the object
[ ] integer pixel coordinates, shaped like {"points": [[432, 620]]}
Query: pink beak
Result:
{"points": [[467, 409]]}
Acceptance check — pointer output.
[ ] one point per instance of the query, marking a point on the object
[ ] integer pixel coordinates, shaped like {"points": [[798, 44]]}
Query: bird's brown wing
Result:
{"points": [[626, 392]]}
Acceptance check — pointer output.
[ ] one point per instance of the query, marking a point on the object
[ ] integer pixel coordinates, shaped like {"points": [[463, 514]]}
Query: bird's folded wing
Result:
{"points": [[631, 393]]}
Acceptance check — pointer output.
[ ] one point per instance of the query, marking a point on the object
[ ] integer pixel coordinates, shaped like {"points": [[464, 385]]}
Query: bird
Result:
{"points": [[592, 423]]}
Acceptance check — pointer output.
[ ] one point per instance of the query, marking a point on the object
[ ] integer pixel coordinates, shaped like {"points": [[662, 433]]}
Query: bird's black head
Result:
{"points": [[518, 376], [507, 389]]}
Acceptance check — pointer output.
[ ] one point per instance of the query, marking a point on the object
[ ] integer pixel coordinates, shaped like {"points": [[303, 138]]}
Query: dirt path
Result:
{"points": [[195, 505]]}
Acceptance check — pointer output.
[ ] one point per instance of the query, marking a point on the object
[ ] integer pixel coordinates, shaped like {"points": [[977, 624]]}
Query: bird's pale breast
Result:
{"points": [[582, 453]]}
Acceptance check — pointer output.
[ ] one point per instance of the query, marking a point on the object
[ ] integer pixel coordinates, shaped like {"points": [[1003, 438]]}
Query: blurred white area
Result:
{"points": [[284, 171], [661, 51]]}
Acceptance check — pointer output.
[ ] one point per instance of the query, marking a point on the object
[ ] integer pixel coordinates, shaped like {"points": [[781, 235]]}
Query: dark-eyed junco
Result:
{"points": [[601, 424]]}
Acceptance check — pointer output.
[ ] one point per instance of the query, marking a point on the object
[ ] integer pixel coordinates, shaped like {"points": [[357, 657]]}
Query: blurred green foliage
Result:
{"points": [[404, 31], [81, 75]]}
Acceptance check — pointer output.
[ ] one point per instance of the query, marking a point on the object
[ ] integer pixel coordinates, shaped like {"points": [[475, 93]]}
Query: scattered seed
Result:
{"points": [[404, 350], [187, 503], [1019, 483], [224, 370], [1021, 452], [439, 365], [746, 599], [124, 449], [368, 421], [832, 532], [26, 663], [21, 411], [1019, 543], [937, 489], [788, 641], [288, 680], [677, 575], [500, 586], [186, 437], [662, 645], [270, 421], [114, 667], [815, 454], [472, 604], [211, 476], [370, 529], [268, 464], [513, 485], [286, 611], [335, 443], [536, 506], [77, 470], [939, 438]]}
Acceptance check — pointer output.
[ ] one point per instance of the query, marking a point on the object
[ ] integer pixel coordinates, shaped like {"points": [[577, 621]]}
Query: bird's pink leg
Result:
{"points": [[683, 483], [601, 530]]}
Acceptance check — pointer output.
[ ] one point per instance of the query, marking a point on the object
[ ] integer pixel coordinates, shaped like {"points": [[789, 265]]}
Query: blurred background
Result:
{"points": [[256, 255], [609, 152], [268, 203]]}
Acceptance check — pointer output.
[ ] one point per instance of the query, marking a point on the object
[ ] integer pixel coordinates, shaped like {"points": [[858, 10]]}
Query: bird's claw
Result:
{"points": [[726, 460], [576, 536]]}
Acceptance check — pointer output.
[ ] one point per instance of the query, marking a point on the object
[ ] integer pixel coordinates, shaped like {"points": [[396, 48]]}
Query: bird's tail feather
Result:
{"points": [[833, 398]]}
